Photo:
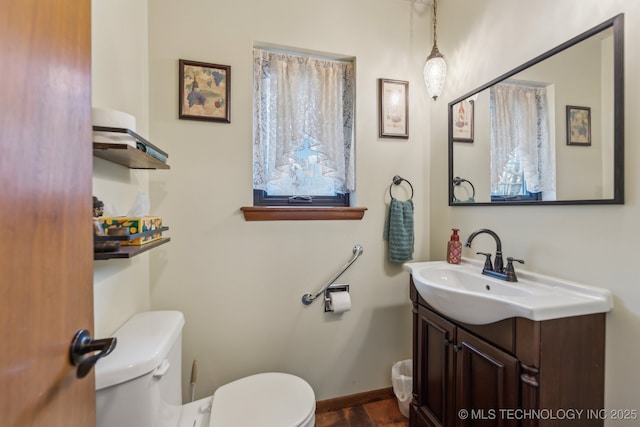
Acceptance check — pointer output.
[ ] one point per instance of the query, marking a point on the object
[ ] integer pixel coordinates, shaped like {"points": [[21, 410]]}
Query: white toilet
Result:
{"points": [[139, 385]]}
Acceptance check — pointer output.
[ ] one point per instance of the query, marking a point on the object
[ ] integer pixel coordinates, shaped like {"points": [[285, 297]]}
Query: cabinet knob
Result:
{"points": [[448, 342]]}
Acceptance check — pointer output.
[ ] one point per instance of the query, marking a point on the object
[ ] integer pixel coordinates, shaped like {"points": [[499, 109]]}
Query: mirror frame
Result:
{"points": [[617, 23]]}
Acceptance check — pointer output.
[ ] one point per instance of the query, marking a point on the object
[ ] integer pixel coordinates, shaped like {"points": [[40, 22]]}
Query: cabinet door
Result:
{"points": [[434, 373], [486, 383]]}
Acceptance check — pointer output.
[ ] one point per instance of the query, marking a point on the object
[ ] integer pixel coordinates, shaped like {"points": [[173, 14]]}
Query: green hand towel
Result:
{"points": [[398, 230]]}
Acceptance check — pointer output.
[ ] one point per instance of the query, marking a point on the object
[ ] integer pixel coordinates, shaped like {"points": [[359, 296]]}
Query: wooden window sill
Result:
{"points": [[278, 213]]}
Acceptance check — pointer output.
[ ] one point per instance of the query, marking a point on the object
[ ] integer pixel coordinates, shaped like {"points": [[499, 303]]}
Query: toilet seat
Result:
{"points": [[270, 399]]}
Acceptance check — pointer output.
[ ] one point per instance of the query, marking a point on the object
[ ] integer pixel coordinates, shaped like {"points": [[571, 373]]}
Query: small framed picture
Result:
{"points": [[393, 105], [463, 121], [205, 91], [578, 125]]}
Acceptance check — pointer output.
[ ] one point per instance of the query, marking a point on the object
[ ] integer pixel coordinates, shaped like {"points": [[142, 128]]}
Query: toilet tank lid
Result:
{"points": [[143, 343]]}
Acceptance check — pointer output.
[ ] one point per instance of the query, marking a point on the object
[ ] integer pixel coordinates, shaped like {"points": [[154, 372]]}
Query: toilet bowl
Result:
{"points": [[268, 399], [139, 385]]}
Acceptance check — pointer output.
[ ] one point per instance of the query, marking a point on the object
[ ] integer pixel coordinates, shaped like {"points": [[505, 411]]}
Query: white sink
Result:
{"points": [[463, 293]]}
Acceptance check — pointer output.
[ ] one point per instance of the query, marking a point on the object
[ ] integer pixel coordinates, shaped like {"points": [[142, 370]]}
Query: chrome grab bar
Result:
{"points": [[308, 298]]}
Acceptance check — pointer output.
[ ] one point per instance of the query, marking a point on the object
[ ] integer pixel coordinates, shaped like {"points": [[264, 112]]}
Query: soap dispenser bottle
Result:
{"points": [[454, 248]]}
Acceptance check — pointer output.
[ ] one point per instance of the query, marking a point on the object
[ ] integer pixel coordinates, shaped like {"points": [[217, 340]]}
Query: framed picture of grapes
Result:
{"points": [[205, 91]]}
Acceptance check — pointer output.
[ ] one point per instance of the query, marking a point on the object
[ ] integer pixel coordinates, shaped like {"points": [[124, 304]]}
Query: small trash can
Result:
{"points": [[402, 380]]}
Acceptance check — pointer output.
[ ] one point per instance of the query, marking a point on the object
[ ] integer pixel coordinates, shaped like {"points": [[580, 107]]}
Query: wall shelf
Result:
{"points": [[133, 158], [127, 156], [130, 251]]}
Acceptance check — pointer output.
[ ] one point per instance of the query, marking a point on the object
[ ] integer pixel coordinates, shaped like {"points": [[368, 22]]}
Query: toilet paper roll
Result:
{"points": [[114, 119], [340, 301]]}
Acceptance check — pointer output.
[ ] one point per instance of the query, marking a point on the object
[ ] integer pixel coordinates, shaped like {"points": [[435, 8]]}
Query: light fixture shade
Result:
{"points": [[435, 72]]}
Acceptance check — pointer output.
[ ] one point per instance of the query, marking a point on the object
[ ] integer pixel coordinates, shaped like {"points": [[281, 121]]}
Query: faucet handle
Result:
{"points": [[487, 262], [509, 271]]}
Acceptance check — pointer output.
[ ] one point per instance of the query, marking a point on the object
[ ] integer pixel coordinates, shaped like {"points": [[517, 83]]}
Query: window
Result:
{"points": [[512, 183], [303, 129], [522, 154]]}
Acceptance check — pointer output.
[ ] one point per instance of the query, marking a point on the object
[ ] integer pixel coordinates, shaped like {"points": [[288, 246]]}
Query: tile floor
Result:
{"points": [[382, 413]]}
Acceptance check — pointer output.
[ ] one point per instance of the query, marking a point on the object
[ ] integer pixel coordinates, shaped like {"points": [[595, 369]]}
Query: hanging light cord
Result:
{"points": [[435, 22]]}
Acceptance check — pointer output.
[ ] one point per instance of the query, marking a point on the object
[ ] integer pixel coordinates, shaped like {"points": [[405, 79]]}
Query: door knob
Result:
{"points": [[82, 344]]}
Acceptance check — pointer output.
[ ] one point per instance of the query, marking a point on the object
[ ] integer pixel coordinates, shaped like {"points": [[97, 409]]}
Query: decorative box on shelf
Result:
{"points": [[141, 230]]}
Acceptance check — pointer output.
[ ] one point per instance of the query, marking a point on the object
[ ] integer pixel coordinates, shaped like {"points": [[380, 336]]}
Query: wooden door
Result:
{"points": [[487, 384], [46, 267], [434, 369]]}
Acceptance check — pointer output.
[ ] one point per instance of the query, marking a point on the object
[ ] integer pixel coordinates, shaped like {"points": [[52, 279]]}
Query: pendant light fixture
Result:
{"points": [[435, 68]]}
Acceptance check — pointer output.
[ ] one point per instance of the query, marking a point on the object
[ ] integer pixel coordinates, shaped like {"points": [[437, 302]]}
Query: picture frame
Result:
{"points": [[204, 91], [578, 125], [393, 107], [463, 120]]}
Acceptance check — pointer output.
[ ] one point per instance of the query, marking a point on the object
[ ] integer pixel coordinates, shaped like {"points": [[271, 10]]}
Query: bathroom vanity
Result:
{"points": [[513, 372]]}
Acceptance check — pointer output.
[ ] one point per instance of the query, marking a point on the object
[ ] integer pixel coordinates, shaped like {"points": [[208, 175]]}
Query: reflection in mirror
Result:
{"points": [[548, 132], [469, 191]]}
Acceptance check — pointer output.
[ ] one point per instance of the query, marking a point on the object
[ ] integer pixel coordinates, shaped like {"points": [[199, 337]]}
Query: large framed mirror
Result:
{"points": [[549, 132]]}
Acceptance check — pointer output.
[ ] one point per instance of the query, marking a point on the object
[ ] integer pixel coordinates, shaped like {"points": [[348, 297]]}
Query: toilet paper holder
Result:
{"points": [[327, 295], [309, 298]]}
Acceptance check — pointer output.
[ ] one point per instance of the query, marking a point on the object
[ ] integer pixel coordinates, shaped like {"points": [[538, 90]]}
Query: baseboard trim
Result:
{"points": [[353, 400]]}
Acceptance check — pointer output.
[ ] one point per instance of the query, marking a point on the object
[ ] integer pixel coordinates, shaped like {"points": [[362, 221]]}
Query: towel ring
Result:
{"points": [[397, 180], [457, 181]]}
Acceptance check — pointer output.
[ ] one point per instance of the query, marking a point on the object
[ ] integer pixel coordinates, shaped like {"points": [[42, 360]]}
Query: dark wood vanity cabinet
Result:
{"points": [[516, 372]]}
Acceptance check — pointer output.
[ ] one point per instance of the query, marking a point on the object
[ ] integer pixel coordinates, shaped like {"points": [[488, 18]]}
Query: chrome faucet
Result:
{"points": [[498, 263], [496, 269]]}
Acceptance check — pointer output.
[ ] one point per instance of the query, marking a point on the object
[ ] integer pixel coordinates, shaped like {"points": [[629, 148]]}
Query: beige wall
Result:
{"points": [[240, 283], [120, 81], [595, 245]]}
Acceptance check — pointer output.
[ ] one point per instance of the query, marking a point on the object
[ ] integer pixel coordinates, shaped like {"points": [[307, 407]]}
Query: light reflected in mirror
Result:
{"points": [[548, 132]]}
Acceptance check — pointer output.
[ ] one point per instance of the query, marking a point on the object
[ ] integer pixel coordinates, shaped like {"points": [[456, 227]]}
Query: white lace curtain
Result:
{"points": [[297, 99], [520, 127]]}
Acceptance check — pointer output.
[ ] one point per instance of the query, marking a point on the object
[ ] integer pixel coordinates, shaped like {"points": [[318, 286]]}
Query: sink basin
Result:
{"points": [[463, 293]]}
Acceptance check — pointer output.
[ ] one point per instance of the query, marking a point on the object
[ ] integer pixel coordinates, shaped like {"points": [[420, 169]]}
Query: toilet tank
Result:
{"points": [[139, 383]]}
